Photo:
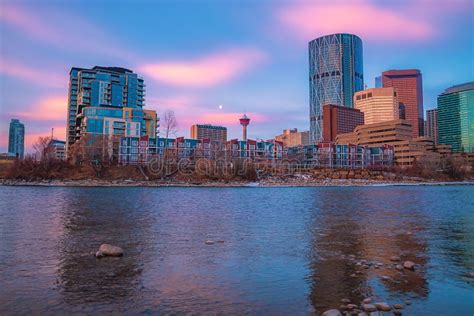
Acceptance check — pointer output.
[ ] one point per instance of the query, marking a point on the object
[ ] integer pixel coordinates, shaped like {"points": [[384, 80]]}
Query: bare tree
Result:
{"points": [[170, 124], [43, 149]]}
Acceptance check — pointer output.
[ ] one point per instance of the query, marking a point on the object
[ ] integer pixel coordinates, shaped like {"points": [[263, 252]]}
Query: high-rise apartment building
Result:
{"points": [[211, 132], [338, 120], [377, 104], [293, 138], [16, 138], [431, 125], [456, 117], [409, 87], [335, 74], [108, 101]]}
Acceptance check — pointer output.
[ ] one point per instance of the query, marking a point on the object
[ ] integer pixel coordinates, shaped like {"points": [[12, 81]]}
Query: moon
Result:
{"points": [[220, 106]]}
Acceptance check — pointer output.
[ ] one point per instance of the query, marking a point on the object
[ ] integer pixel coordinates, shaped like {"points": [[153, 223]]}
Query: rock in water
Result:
{"points": [[470, 274], [398, 306], [382, 306], [332, 312], [109, 250], [369, 307], [409, 265], [209, 242]]}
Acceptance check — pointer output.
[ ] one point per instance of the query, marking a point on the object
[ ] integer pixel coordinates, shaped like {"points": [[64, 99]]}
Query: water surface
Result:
{"points": [[283, 250]]}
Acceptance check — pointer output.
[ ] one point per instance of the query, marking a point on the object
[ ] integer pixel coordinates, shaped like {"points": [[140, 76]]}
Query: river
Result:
{"points": [[275, 251]]}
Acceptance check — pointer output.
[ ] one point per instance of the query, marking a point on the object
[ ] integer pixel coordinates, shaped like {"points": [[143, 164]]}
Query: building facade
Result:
{"points": [[293, 138], [338, 120], [456, 117], [211, 132], [107, 101], [397, 133], [16, 138], [335, 74], [409, 88], [378, 104], [378, 134], [58, 149], [431, 125], [378, 82]]}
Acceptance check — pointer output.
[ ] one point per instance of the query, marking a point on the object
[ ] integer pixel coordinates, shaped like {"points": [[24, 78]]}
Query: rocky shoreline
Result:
{"points": [[293, 181]]}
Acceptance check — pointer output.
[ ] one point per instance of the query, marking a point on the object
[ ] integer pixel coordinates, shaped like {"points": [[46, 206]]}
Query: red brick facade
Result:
{"points": [[339, 119], [410, 95]]}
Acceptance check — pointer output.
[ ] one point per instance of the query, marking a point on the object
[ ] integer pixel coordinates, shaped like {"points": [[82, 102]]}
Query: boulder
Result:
{"points": [[409, 265], [351, 306], [209, 242], [399, 267], [369, 307], [394, 258], [367, 301], [470, 274], [382, 306], [345, 301], [332, 312], [398, 306], [109, 250]]}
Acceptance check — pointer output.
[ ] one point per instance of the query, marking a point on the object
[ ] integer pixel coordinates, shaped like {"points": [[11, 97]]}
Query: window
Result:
{"points": [[369, 95]]}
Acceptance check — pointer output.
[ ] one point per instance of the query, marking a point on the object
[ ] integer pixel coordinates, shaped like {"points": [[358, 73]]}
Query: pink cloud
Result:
{"points": [[24, 72], [32, 137], [368, 20], [49, 108], [62, 29], [205, 71]]}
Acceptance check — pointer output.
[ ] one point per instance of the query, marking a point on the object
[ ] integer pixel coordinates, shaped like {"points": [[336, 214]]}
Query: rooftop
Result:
{"points": [[459, 88]]}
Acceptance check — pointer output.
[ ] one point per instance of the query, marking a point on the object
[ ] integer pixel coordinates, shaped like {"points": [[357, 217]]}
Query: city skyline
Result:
{"points": [[194, 67]]}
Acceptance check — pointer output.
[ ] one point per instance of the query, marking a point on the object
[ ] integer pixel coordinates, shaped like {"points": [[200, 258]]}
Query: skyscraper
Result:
{"points": [[410, 95], [211, 132], [456, 117], [378, 82], [335, 74], [377, 104], [107, 100], [431, 126], [16, 138]]}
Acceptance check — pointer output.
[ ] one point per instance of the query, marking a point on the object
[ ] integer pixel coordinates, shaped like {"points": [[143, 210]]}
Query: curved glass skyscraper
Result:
{"points": [[335, 74]]}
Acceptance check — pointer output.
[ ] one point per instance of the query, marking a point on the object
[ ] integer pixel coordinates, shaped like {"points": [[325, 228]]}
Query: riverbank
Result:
{"points": [[293, 181]]}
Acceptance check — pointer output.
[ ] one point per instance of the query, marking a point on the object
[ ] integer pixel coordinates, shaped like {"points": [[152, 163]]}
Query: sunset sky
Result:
{"points": [[244, 55]]}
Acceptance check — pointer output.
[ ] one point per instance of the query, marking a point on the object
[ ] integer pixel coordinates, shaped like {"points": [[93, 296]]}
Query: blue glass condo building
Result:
{"points": [[16, 138], [335, 74], [109, 101]]}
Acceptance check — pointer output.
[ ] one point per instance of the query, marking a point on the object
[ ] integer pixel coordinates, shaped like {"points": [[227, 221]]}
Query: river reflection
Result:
{"points": [[369, 228], [275, 251]]}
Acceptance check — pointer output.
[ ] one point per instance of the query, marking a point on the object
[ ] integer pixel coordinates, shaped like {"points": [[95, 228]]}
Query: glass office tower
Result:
{"points": [[456, 117], [16, 138], [335, 74]]}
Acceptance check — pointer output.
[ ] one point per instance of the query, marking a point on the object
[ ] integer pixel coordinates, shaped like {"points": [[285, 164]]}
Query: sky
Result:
{"points": [[247, 56]]}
